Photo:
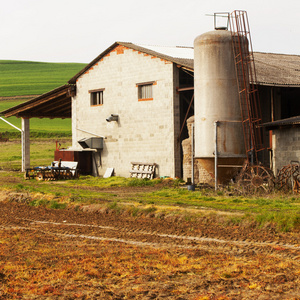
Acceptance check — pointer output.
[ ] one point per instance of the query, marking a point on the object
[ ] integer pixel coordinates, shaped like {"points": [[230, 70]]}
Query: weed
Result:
{"points": [[236, 200], [75, 198], [135, 211], [114, 206], [19, 187], [188, 218], [183, 192], [55, 205], [177, 182], [46, 203], [16, 237], [208, 198], [235, 220], [39, 202], [149, 210], [226, 275]]}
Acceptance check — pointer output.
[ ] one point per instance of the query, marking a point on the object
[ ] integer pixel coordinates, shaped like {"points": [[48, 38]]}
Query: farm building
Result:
{"points": [[285, 141], [132, 102]]}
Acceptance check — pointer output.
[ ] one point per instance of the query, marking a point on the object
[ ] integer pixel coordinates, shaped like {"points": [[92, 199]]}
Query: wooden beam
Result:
{"points": [[66, 115], [189, 88], [53, 105], [33, 104]]}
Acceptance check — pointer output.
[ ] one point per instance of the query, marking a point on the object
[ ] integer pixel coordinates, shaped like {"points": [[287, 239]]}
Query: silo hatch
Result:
{"points": [[91, 143]]}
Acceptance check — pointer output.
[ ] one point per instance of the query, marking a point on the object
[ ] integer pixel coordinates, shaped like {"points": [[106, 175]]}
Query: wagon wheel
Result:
{"points": [[296, 183], [39, 176], [288, 177], [68, 174], [27, 174], [284, 179], [256, 179]]}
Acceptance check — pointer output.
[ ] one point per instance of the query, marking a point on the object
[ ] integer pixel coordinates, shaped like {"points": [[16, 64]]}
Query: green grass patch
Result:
{"points": [[41, 153], [116, 181], [50, 204], [283, 211], [39, 128], [280, 209], [142, 182]]}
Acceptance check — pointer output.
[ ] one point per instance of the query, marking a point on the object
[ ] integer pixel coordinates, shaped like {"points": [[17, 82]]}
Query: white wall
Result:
{"points": [[145, 131]]}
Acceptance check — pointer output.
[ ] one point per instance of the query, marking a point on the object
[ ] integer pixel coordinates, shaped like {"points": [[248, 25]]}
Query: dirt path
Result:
{"points": [[280, 252]]}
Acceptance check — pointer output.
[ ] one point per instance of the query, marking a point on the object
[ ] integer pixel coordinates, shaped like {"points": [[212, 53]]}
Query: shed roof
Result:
{"points": [[53, 104], [294, 121]]}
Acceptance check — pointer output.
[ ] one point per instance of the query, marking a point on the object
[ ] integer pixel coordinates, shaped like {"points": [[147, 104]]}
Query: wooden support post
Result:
{"points": [[25, 144]]}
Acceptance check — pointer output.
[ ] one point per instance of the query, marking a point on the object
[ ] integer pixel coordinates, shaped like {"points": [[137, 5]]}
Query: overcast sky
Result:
{"points": [[79, 30]]}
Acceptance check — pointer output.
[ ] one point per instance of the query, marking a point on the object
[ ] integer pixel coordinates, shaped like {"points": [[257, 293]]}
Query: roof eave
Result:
{"points": [[274, 84]]}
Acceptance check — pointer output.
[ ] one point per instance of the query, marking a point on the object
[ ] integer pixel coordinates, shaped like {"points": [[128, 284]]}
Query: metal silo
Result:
{"points": [[217, 99]]}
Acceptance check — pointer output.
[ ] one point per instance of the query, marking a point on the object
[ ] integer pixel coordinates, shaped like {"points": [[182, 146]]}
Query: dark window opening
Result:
{"points": [[96, 97], [145, 90]]}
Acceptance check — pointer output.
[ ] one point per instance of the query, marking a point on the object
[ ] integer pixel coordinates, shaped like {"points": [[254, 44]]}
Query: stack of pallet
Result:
{"points": [[142, 170]]}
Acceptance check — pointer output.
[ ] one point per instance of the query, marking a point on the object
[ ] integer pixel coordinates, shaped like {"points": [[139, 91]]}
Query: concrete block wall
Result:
{"points": [[286, 146], [200, 174], [145, 130], [187, 154]]}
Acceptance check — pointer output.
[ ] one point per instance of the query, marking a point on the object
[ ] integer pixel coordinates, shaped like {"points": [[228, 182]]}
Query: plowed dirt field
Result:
{"points": [[106, 254]]}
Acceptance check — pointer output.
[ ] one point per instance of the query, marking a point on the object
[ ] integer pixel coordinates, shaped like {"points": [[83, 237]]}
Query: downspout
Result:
{"points": [[216, 123], [193, 171]]}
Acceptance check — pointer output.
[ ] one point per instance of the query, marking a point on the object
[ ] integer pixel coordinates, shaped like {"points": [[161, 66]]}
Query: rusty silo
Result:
{"points": [[217, 99]]}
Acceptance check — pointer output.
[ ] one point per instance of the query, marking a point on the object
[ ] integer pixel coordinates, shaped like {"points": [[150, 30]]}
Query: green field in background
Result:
{"points": [[18, 78], [21, 78], [44, 125]]}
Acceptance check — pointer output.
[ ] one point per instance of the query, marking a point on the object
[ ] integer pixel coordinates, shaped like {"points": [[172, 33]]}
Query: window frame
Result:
{"points": [[99, 99], [140, 91]]}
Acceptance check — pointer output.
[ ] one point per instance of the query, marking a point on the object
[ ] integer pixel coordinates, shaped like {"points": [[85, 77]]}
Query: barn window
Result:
{"points": [[145, 91], [96, 97]]}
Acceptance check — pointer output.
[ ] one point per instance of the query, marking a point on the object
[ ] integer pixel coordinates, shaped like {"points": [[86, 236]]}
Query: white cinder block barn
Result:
{"points": [[139, 87]]}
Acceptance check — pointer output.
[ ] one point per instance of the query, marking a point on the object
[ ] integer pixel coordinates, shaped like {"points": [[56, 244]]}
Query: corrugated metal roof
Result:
{"points": [[175, 52], [284, 122], [277, 69]]}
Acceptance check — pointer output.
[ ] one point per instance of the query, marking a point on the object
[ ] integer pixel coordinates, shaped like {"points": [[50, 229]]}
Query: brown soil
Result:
{"points": [[111, 255]]}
